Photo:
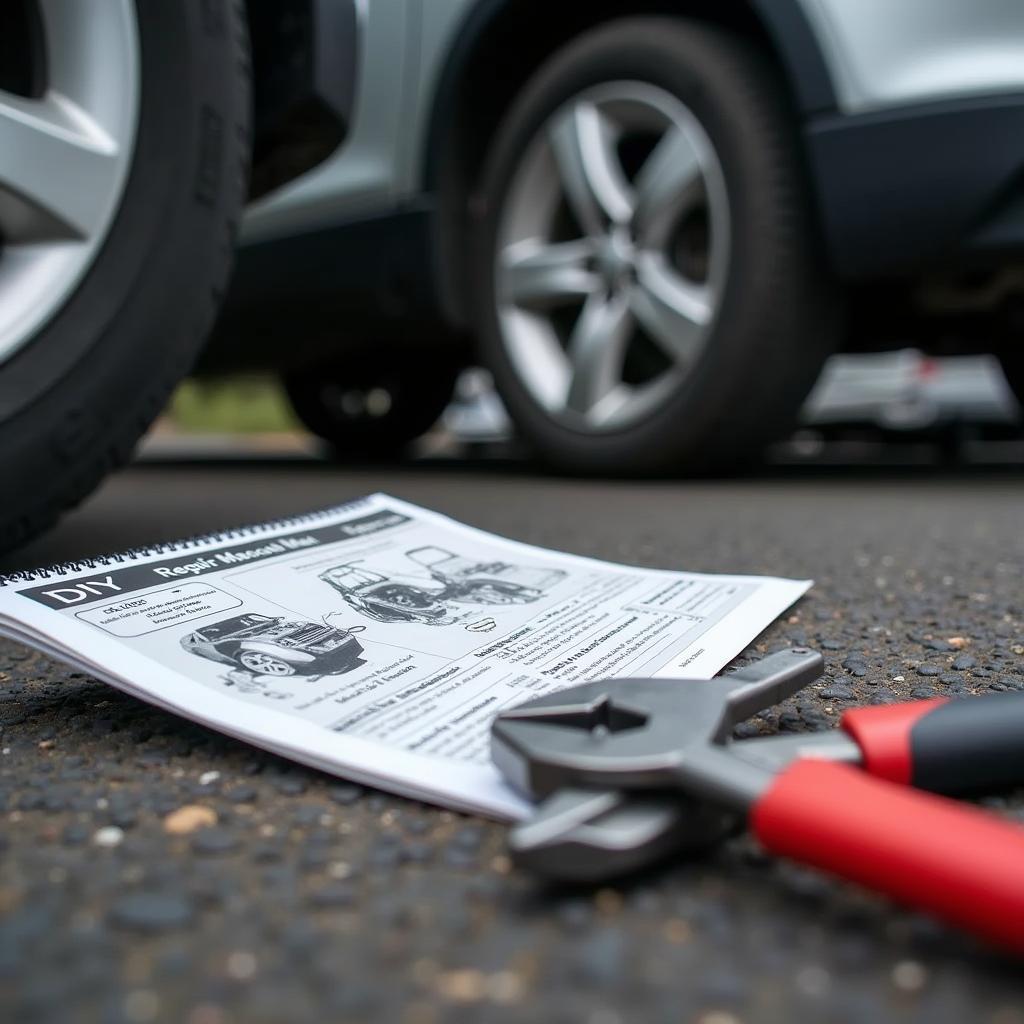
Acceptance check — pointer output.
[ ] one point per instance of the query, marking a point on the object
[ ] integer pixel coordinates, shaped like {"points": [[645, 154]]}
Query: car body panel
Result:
{"points": [[883, 54], [381, 598], [312, 648], [362, 176], [908, 114], [878, 55]]}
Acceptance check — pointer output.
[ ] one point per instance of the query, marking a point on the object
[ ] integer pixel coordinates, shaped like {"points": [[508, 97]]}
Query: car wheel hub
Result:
{"points": [[65, 152], [265, 664], [612, 255], [616, 260]]}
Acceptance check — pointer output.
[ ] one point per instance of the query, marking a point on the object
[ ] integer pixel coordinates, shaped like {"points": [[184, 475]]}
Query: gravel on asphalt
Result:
{"points": [[301, 897]]}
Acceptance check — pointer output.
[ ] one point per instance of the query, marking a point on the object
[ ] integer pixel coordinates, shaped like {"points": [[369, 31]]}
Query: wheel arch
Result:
{"points": [[498, 47], [305, 62]]}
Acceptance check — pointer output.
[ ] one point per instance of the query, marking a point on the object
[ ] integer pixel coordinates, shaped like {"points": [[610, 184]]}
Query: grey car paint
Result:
{"points": [[879, 55]]}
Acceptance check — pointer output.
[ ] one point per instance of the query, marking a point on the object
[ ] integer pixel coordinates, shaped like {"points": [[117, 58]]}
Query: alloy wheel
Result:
{"points": [[265, 664], [68, 113], [613, 250]]}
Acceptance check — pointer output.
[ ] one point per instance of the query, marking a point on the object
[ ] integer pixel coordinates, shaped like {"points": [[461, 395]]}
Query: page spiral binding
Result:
{"points": [[186, 544]]}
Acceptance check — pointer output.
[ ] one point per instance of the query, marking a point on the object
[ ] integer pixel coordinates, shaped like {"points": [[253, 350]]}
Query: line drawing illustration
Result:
{"points": [[455, 580], [265, 645]]}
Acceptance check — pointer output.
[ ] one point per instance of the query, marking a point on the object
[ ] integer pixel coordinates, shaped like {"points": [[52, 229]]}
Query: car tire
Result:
{"points": [[78, 391], [376, 403], [681, 391]]}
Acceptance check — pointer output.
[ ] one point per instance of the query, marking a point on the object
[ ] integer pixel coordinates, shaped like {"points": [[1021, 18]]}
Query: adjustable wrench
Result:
{"points": [[670, 740]]}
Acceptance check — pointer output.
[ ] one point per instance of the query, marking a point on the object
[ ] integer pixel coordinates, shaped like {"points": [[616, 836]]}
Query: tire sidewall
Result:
{"points": [[705, 70], [75, 398]]}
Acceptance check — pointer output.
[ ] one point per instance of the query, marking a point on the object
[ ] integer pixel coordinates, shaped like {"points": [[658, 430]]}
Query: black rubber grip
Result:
{"points": [[970, 745]]}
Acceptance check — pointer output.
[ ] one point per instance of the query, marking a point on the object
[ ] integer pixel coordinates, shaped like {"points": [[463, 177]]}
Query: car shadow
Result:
{"points": [[160, 500]]}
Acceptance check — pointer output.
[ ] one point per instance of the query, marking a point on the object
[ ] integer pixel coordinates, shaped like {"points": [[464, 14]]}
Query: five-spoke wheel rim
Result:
{"points": [[613, 249], [67, 133], [265, 664]]}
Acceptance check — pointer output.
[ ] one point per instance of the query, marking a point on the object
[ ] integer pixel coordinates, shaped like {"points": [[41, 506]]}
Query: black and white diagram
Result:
{"points": [[451, 580], [266, 646]]}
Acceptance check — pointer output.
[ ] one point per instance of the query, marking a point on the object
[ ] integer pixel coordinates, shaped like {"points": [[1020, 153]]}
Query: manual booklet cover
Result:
{"points": [[377, 640]]}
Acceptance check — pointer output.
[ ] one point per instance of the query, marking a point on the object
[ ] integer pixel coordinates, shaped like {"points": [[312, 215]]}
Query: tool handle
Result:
{"points": [[946, 746], [950, 859]]}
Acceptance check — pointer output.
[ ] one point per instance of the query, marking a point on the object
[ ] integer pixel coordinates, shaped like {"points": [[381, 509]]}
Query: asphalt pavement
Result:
{"points": [[155, 871]]}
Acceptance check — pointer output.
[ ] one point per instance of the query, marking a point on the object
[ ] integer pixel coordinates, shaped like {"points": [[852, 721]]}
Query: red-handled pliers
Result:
{"points": [[634, 768]]}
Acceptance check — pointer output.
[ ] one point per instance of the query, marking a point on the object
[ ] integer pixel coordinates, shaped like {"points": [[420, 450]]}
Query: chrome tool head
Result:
{"points": [[636, 733], [580, 835]]}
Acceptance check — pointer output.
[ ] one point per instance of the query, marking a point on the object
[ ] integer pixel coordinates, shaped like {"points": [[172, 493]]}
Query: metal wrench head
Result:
{"points": [[635, 733], [580, 835], [589, 835]]}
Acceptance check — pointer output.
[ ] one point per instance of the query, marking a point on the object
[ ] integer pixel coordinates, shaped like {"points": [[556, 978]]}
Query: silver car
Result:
{"points": [[652, 222]]}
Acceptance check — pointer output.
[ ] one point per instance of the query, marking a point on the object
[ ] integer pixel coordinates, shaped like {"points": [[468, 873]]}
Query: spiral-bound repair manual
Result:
{"points": [[377, 640]]}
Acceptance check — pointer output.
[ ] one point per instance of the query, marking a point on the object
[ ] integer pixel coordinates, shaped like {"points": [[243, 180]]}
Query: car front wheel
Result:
{"points": [[265, 664], [651, 293], [124, 144]]}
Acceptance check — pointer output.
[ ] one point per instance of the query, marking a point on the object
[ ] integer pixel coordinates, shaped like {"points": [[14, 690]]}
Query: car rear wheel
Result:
{"points": [[375, 403], [123, 161], [652, 295]]}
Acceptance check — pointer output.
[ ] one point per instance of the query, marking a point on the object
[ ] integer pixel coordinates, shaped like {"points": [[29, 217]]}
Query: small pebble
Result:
{"points": [[290, 785], [189, 818], [790, 721], [75, 834], [214, 840], [345, 795], [152, 912], [266, 853], [333, 894], [241, 965], [909, 976], [109, 836], [837, 691]]}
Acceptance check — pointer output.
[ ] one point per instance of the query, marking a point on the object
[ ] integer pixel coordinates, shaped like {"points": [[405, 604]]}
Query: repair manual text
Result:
{"points": [[377, 640]]}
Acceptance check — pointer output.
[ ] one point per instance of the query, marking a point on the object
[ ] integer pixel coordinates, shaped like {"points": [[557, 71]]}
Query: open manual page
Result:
{"points": [[377, 640]]}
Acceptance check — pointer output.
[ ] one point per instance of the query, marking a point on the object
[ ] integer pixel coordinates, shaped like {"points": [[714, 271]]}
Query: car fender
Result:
{"points": [[211, 653], [276, 651]]}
